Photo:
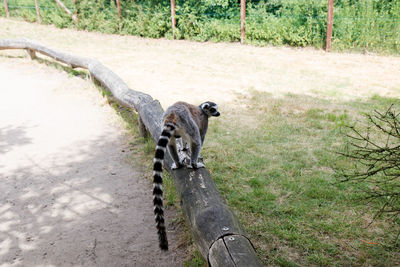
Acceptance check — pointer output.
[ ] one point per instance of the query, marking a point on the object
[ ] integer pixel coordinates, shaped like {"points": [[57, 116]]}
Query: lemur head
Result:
{"points": [[210, 109]]}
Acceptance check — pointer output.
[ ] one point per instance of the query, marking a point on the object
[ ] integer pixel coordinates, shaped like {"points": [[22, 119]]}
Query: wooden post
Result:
{"points": [[142, 128], [37, 11], [31, 53], [76, 11], [242, 20], [173, 19], [6, 8], [329, 26], [119, 8]]}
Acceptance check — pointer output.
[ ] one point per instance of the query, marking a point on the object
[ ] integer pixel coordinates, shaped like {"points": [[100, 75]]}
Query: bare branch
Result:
{"points": [[73, 17], [375, 150]]}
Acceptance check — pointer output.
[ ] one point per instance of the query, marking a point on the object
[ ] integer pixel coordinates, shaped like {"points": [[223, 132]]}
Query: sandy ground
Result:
{"points": [[68, 194]]}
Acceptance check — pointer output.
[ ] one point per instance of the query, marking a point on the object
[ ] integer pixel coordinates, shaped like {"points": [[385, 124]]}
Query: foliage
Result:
{"points": [[358, 24]]}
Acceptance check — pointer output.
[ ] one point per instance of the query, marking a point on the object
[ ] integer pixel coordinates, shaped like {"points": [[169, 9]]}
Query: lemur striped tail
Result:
{"points": [[161, 147]]}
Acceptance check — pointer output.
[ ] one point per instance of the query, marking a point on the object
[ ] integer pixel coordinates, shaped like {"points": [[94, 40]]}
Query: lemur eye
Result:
{"points": [[212, 110]]}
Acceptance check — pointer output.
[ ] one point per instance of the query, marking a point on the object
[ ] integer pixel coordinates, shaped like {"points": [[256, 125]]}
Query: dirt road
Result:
{"points": [[68, 194], [171, 70]]}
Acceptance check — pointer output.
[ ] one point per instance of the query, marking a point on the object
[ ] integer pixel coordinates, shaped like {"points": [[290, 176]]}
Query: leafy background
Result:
{"points": [[362, 25]]}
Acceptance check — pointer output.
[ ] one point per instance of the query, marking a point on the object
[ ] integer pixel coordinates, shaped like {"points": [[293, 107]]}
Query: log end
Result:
{"points": [[233, 250]]}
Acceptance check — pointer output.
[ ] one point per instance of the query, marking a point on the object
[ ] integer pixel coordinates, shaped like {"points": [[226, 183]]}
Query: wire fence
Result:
{"points": [[371, 29], [387, 18], [49, 5]]}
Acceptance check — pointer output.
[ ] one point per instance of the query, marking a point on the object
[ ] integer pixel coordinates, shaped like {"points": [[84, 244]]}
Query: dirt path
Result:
{"points": [[194, 72], [68, 195]]}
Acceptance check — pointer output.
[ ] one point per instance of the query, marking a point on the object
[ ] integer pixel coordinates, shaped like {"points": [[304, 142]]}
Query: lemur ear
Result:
{"points": [[205, 105]]}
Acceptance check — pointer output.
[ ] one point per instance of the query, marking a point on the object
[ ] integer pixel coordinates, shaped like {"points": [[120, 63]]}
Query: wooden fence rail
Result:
{"points": [[215, 228]]}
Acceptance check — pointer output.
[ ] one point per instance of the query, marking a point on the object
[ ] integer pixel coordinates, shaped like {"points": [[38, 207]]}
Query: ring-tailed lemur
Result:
{"points": [[189, 122]]}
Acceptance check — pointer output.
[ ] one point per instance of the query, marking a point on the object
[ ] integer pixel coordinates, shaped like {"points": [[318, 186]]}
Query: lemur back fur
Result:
{"points": [[186, 121]]}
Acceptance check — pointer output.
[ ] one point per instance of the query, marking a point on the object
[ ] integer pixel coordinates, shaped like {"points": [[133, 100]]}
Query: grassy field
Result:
{"points": [[272, 151], [276, 166]]}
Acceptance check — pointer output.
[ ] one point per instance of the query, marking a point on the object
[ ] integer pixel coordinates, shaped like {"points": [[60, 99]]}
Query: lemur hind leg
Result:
{"points": [[195, 152], [184, 147], [173, 151], [184, 151]]}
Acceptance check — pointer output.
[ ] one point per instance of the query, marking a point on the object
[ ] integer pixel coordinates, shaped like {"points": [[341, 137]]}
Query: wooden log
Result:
{"points": [[70, 60], [142, 128], [205, 208], [241, 250], [60, 4], [219, 255], [31, 53], [215, 228]]}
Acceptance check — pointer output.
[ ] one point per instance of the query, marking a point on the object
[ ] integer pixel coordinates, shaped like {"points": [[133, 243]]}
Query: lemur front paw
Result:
{"points": [[198, 165], [174, 166]]}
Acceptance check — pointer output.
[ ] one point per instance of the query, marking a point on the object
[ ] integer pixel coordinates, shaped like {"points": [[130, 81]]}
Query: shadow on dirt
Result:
{"points": [[11, 136], [72, 203], [89, 208]]}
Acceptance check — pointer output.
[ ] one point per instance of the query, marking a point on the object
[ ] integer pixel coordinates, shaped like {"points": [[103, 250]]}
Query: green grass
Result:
{"points": [[275, 166]]}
